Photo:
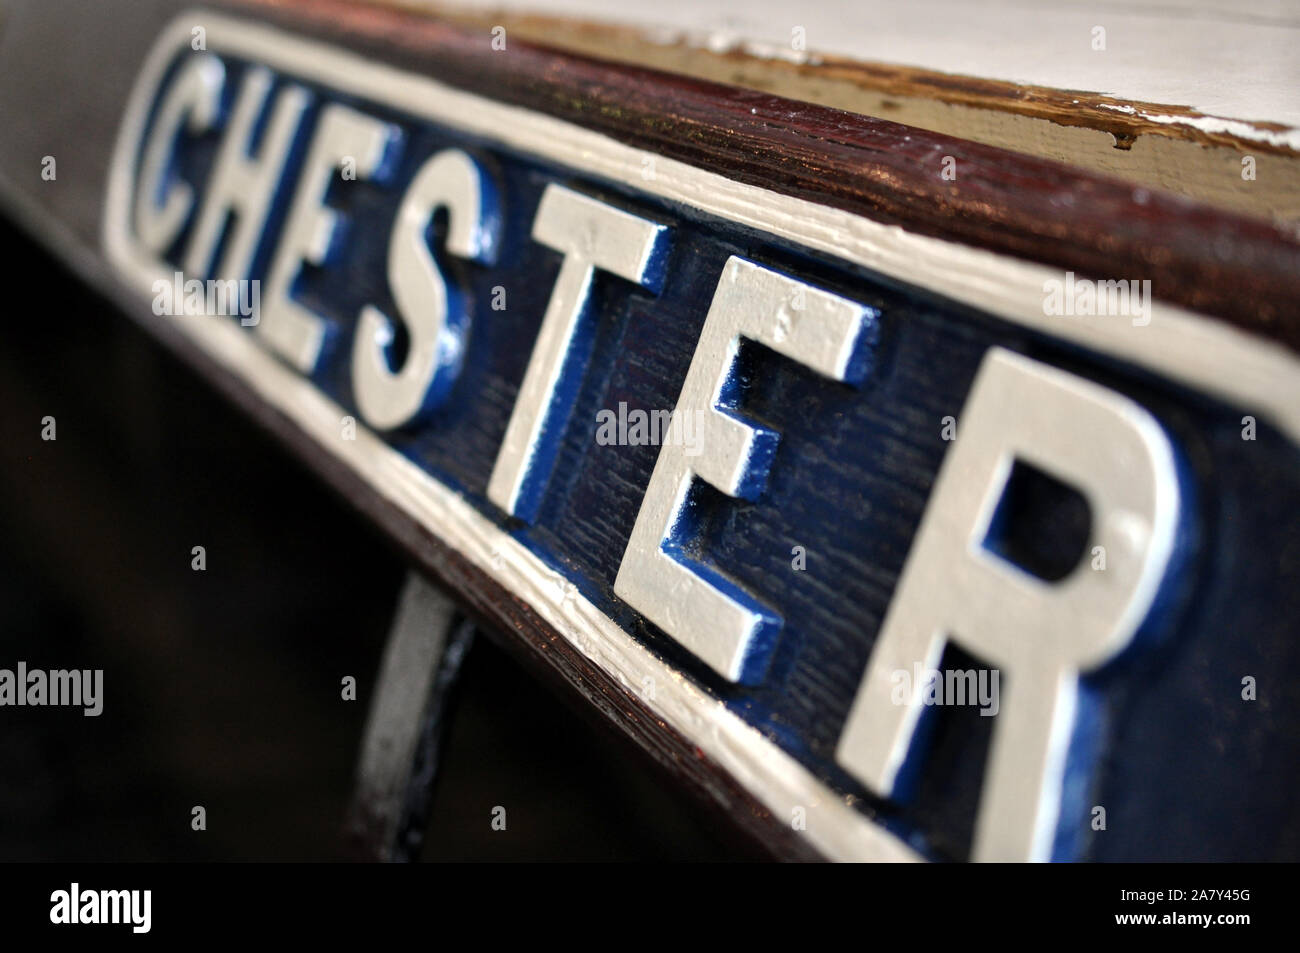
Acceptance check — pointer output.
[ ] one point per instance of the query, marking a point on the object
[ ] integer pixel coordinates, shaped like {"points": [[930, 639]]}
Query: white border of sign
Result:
{"points": [[1261, 377]]}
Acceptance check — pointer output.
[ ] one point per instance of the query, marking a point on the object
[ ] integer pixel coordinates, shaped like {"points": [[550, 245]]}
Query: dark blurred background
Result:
{"points": [[222, 688]]}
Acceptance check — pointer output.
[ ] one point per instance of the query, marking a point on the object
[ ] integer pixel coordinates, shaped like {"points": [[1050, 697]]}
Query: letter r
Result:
{"points": [[1044, 634]]}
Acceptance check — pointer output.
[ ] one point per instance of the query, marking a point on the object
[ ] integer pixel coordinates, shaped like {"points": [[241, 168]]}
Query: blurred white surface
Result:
{"points": [[1231, 60]]}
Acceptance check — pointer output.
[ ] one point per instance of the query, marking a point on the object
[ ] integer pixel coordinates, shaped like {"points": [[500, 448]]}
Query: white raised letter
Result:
{"points": [[297, 333], [435, 315], [242, 187], [161, 206], [709, 614], [591, 235], [1041, 634]]}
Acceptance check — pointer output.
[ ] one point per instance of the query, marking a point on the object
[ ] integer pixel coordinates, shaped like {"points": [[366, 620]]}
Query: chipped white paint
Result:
{"points": [[1236, 64]]}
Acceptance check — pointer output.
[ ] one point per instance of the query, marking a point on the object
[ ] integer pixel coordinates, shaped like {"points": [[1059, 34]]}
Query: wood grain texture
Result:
{"points": [[1241, 270], [1222, 60], [794, 76], [1139, 136]]}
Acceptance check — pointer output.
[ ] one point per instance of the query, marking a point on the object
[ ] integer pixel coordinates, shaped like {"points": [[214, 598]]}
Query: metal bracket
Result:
{"points": [[408, 717]]}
